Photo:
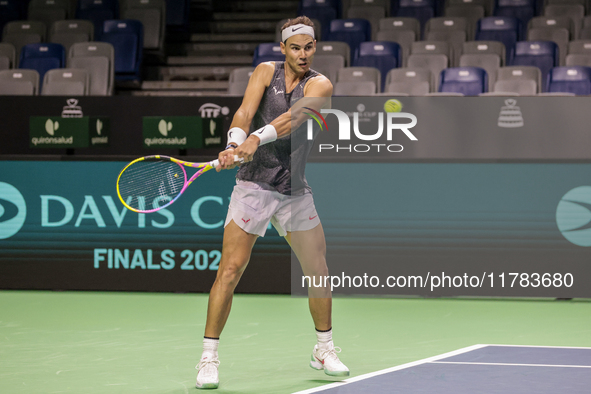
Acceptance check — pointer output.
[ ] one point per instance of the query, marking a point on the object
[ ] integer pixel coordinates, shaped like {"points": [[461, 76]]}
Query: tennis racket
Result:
{"points": [[151, 183]]}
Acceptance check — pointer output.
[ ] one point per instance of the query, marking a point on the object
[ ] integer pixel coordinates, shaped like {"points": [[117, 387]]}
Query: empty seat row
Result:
{"points": [[56, 82], [465, 81], [423, 10], [469, 81], [125, 36], [435, 56], [96, 59], [455, 31], [151, 13], [65, 32]]}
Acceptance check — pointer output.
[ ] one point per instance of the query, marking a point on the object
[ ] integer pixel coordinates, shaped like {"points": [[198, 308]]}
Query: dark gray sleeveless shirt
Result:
{"points": [[281, 163]]}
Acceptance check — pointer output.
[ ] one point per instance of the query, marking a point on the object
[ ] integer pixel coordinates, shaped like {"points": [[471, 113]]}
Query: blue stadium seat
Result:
{"points": [[500, 28], [382, 55], [127, 37], [574, 79], [423, 10], [351, 31], [322, 10], [177, 13], [541, 54], [9, 11], [267, 52], [97, 11], [523, 10], [470, 81], [21, 33], [42, 57]]}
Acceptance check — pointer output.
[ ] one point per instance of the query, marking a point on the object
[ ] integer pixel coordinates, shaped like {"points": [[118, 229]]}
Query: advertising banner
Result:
{"points": [[62, 226], [70, 130], [172, 132], [115, 126], [57, 132]]}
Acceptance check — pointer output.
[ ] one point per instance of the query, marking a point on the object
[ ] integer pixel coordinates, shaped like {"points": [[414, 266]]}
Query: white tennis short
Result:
{"points": [[253, 205]]}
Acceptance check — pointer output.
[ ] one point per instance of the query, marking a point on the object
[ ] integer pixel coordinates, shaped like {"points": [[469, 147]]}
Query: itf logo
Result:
{"points": [[13, 210], [573, 216]]}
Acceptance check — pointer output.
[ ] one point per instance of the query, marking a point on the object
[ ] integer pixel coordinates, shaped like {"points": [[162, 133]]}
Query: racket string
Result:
{"points": [[148, 184]]}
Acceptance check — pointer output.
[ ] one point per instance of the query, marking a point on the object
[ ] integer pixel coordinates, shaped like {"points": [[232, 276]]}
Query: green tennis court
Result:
{"points": [[74, 342]]}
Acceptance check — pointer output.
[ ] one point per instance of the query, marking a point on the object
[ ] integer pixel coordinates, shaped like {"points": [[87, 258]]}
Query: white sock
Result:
{"points": [[210, 346], [324, 337]]}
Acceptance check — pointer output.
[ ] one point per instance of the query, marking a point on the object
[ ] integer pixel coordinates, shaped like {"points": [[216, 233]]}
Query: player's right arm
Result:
{"points": [[258, 82]]}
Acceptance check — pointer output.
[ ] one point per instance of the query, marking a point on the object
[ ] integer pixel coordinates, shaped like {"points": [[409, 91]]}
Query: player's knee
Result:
{"points": [[229, 274], [318, 270]]}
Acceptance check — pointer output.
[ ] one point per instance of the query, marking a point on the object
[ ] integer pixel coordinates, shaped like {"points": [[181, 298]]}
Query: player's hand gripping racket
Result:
{"points": [[151, 183]]}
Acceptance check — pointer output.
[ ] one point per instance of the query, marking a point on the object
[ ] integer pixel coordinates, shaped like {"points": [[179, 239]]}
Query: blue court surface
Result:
{"points": [[483, 369]]}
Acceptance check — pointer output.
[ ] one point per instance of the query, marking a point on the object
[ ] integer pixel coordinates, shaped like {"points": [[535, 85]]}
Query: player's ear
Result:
{"points": [[282, 46]]}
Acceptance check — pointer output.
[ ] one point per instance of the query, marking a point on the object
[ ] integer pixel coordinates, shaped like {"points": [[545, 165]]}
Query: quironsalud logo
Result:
{"points": [[13, 210], [573, 216]]}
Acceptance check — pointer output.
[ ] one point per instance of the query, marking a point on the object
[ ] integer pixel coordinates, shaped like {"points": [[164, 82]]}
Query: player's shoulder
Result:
{"points": [[265, 68], [320, 85], [319, 77], [263, 73]]}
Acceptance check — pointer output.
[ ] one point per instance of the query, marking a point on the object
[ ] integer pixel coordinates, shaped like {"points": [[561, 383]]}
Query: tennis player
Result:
{"points": [[268, 191]]}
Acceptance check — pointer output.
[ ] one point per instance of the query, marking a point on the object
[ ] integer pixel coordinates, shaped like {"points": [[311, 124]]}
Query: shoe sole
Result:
{"points": [[319, 367], [336, 373], [207, 386]]}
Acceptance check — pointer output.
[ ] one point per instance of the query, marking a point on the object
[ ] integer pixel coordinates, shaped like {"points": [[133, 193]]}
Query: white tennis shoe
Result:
{"points": [[207, 377], [325, 358]]}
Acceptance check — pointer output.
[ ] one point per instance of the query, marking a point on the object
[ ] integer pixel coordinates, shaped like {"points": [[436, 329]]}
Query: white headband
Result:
{"points": [[296, 29]]}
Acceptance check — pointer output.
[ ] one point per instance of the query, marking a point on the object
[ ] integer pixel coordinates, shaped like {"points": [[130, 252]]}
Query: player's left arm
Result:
{"points": [[317, 93]]}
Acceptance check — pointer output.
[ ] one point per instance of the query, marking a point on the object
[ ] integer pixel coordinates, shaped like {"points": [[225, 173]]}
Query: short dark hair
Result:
{"points": [[296, 21]]}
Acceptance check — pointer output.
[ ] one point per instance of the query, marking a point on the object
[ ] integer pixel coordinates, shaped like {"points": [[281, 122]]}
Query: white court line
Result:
{"points": [[511, 364], [544, 347], [384, 371], [433, 360]]}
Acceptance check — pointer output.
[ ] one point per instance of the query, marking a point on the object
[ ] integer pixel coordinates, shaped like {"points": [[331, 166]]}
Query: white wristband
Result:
{"points": [[236, 136], [266, 134]]}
